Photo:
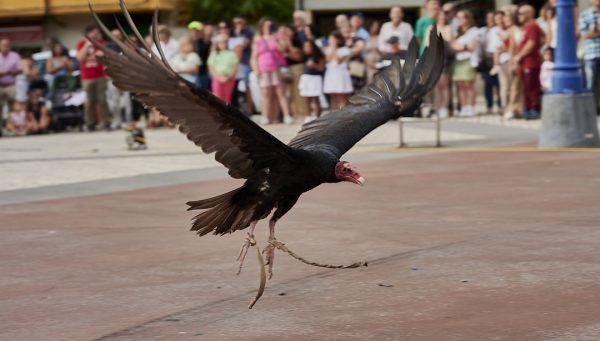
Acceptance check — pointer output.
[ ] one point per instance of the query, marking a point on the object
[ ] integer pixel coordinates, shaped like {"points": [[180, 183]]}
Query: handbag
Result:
{"points": [[357, 68]]}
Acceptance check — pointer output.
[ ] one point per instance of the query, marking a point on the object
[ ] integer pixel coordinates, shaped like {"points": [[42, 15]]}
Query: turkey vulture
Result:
{"points": [[276, 174]]}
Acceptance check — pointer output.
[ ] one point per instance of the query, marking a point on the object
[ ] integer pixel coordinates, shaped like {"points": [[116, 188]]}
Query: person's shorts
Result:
{"points": [[272, 78], [463, 71]]}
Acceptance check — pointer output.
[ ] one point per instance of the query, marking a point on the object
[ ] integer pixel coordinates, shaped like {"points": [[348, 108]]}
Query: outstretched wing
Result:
{"points": [[240, 144], [395, 90]]}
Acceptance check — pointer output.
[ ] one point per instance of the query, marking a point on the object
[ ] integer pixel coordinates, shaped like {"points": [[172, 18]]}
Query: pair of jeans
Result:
{"points": [[592, 73], [492, 85]]}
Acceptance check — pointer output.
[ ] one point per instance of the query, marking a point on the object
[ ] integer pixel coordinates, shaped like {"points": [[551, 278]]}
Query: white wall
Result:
{"points": [[67, 28]]}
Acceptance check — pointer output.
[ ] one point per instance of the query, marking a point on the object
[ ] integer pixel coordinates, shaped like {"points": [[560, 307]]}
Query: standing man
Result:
{"points": [[296, 64], [93, 81], [10, 67], [529, 59], [395, 27], [168, 44], [201, 35], [432, 9], [241, 31], [357, 21], [589, 28]]}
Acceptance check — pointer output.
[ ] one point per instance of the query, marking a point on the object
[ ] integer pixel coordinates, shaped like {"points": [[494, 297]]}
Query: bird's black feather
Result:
{"points": [[276, 174], [394, 91]]}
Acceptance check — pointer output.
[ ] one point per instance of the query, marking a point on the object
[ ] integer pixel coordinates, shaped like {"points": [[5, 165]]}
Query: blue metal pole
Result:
{"points": [[567, 76]]}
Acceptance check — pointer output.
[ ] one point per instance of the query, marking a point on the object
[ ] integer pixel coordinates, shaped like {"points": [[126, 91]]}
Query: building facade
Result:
{"points": [[28, 23]]}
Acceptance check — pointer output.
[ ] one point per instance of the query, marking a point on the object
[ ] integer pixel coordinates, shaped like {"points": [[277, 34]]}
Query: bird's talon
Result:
{"points": [[248, 241]]}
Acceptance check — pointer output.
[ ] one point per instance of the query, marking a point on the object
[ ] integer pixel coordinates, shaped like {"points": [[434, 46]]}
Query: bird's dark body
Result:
{"points": [[272, 189], [276, 174]]}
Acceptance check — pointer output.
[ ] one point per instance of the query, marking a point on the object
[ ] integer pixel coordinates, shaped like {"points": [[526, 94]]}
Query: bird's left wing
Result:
{"points": [[395, 90], [240, 144]]}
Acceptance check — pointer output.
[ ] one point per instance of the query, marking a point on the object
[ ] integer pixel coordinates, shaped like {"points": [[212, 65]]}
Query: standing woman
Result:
{"points": [[337, 82], [442, 89], [466, 59], [265, 62], [358, 70], [311, 81], [372, 55], [58, 64], [514, 105], [222, 65]]}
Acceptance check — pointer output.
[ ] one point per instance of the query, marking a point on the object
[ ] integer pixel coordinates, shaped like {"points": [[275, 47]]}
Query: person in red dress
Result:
{"points": [[529, 58], [93, 80]]}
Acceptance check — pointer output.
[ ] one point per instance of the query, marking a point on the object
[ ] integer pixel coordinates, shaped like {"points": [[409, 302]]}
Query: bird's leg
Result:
{"points": [[269, 250], [248, 241]]}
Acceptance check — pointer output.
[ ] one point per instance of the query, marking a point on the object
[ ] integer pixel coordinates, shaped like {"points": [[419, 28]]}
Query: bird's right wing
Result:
{"points": [[396, 90], [240, 145]]}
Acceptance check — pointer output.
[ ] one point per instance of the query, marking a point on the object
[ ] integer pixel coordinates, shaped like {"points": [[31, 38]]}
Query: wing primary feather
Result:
{"points": [[135, 29], [376, 91], [157, 41], [104, 29], [122, 30]]}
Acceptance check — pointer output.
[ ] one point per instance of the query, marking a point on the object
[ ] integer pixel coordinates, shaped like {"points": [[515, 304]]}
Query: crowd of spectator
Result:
{"points": [[291, 71]]}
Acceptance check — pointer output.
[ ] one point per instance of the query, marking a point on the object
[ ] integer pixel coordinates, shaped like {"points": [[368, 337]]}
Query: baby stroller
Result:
{"points": [[67, 109]]}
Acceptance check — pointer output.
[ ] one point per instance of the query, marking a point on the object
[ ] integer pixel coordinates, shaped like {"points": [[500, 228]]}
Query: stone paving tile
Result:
{"points": [[28, 162]]}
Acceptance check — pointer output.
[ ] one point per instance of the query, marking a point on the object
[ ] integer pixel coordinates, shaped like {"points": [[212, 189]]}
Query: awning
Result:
{"points": [[37, 8]]}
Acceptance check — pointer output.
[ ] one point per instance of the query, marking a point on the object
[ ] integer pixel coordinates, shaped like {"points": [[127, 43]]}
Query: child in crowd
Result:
{"points": [[20, 122], [187, 62], [37, 107], [337, 82], [547, 69], [222, 65], [311, 81]]}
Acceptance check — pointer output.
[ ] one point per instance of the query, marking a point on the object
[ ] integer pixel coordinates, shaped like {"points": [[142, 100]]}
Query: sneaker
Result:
{"points": [[467, 111], [443, 113], [509, 115], [288, 119], [309, 119], [534, 115], [525, 115], [264, 120]]}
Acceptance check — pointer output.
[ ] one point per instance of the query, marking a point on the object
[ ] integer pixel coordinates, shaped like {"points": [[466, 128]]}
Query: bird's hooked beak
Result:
{"points": [[344, 171], [358, 181]]}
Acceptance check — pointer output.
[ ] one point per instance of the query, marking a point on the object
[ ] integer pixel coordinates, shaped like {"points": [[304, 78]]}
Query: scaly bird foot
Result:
{"points": [[248, 241], [269, 252]]}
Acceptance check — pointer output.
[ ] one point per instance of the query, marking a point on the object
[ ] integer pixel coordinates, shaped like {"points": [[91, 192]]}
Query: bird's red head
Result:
{"points": [[344, 171]]}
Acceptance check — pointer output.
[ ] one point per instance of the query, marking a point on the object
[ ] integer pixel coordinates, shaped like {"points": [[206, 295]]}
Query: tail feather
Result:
{"points": [[211, 202], [223, 214]]}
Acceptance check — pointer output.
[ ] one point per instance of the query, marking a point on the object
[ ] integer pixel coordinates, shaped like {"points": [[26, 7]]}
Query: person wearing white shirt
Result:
{"points": [[491, 41], [169, 46], [395, 28]]}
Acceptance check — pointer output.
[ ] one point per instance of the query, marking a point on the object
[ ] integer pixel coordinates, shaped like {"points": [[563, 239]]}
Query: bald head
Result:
{"points": [[526, 13]]}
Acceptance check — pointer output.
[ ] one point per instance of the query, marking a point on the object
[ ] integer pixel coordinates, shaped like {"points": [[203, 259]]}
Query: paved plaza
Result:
{"points": [[484, 239]]}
